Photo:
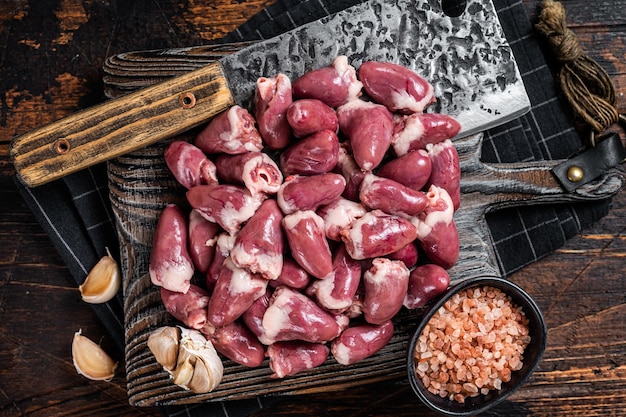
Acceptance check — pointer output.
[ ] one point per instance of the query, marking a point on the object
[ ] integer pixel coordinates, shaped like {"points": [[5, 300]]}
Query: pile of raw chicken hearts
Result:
{"points": [[312, 251]]}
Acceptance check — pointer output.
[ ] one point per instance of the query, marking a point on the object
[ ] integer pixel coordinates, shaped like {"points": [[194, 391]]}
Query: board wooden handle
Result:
{"points": [[119, 126]]}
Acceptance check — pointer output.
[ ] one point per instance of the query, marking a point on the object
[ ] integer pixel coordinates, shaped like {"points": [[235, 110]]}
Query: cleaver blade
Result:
{"points": [[467, 59]]}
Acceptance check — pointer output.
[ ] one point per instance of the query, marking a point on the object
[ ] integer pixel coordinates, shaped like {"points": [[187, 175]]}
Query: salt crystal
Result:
{"points": [[461, 373], [497, 384], [444, 377], [505, 375], [482, 328], [469, 387]]}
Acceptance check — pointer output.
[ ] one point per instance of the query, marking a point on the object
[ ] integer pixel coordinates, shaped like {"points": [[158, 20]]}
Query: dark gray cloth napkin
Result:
{"points": [[76, 213]]}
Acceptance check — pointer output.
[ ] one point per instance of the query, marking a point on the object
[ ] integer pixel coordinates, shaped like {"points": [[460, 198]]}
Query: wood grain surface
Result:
{"points": [[485, 187], [114, 128], [50, 66]]}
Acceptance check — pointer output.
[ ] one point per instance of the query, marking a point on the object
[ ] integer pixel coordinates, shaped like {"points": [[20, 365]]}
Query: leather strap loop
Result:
{"points": [[592, 163]]}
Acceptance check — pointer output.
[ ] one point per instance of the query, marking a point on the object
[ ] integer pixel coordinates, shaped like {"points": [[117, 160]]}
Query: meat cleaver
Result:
{"points": [[466, 58]]}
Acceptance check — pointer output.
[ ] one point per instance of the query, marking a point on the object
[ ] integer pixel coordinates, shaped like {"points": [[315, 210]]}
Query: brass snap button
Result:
{"points": [[575, 174]]}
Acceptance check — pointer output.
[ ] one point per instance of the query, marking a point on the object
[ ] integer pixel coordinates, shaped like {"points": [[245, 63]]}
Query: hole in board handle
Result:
{"points": [[62, 146], [187, 100]]}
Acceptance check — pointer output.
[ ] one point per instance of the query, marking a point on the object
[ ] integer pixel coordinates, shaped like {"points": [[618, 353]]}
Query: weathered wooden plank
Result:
{"points": [[484, 187], [603, 13]]}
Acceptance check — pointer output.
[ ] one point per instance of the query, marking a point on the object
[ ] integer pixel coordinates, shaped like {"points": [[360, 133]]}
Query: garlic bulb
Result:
{"points": [[90, 360], [189, 358], [102, 282]]}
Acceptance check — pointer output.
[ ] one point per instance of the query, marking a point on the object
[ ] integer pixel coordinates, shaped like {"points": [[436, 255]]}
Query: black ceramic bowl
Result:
{"points": [[531, 357]]}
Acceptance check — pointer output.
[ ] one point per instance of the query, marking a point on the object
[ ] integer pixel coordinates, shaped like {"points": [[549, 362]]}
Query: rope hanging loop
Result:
{"points": [[585, 84]]}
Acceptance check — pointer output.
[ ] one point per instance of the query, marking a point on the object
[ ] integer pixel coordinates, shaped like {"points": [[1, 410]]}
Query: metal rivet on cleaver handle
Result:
{"points": [[119, 126]]}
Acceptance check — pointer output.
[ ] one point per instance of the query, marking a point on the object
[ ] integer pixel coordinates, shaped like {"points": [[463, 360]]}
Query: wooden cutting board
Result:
{"points": [[141, 185]]}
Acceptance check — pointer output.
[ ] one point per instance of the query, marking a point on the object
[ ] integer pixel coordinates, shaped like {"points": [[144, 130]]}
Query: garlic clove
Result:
{"points": [[163, 343], [183, 373], [102, 282], [207, 374], [90, 360]]}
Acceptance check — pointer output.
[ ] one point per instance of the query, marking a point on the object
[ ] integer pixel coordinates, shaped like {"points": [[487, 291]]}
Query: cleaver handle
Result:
{"points": [[119, 126]]}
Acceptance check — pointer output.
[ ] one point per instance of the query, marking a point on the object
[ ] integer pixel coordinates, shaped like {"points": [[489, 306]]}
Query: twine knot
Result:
{"points": [[586, 84], [562, 40]]}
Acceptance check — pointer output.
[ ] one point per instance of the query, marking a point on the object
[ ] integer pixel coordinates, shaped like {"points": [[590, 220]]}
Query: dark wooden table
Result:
{"points": [[51, 54]]}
